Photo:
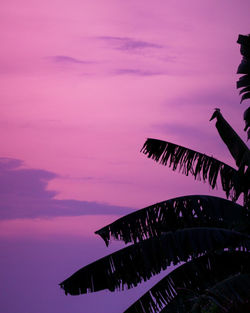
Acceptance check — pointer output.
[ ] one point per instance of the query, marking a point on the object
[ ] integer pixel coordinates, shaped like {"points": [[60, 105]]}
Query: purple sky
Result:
{"points": [[83, 84]]}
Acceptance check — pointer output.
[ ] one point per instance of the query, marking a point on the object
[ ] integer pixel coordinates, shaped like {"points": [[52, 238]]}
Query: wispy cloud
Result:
{"points": [[24, 194], [182, 130], [128, 44], [136, 72], [97, 180], [67, 60]]}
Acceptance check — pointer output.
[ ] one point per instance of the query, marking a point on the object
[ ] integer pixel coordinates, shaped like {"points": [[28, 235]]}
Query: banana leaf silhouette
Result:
{"points": [[207, 237]]}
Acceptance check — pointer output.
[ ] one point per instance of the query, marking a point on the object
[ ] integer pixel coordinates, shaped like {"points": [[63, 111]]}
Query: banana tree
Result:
{"points": [[207, 237]]}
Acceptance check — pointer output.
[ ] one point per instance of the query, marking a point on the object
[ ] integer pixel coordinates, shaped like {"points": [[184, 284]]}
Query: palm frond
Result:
{"points": [[245, 93], [244, 67], [177, 213], [193, 278], [197, 164], [246, 117], [134, 264], [234, 143], [228, 295]]}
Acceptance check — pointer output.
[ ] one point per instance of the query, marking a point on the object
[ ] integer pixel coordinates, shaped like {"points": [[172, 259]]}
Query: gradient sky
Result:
{"points": [[82, 85]]}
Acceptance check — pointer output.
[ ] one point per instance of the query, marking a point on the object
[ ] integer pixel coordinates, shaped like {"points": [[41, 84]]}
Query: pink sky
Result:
{"points": [[82, 85]]}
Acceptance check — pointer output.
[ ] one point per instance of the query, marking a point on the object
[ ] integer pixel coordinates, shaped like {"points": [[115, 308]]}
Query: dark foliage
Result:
{"points": [[177, 213], [191, 280], [244, 67], [227, 296], [134, 264], [197, 164], [209, 234], [234, 143]]}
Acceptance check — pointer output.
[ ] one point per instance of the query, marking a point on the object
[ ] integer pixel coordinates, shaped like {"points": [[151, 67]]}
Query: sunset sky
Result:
{"points": [[82, 85]]}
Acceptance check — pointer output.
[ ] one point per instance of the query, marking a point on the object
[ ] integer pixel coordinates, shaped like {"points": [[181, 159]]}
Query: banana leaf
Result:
{"points": [[191, 280], [197, 164], [177, 213], [244, 67], [139, 262], [227, 296]]}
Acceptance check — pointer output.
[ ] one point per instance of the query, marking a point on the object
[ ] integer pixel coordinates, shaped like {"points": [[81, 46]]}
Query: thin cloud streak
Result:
{"points": [[67, 60], [128, 44], [136, 72]]}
